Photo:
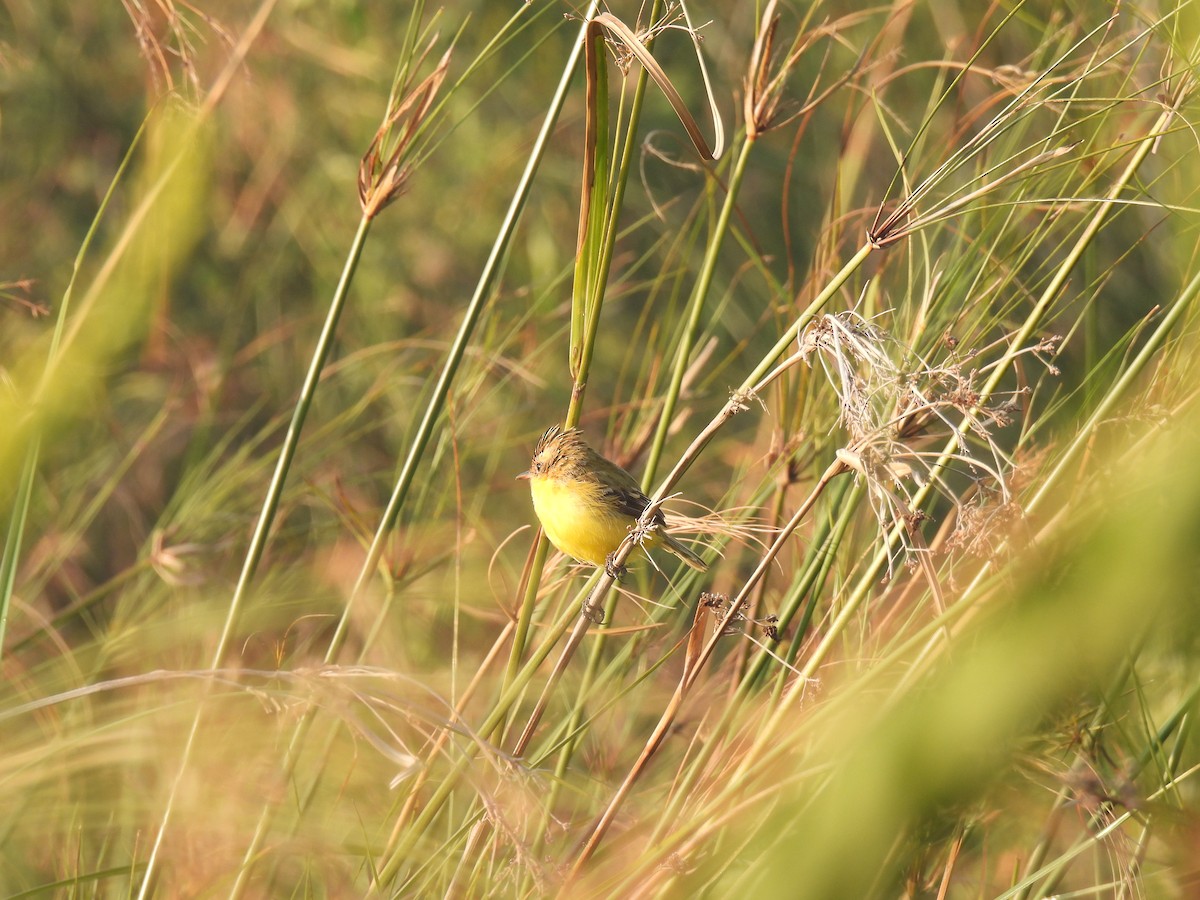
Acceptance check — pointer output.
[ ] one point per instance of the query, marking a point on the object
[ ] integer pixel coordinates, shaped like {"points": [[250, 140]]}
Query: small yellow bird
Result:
{"points": [[587, 504]]}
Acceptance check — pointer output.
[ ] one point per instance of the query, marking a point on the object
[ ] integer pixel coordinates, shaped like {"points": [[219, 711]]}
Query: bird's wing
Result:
{"points": [[628, 499], [622, 490]]}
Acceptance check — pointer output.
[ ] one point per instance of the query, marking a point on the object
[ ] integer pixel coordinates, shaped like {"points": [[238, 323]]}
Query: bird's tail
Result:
{"points": [[683, 551]]}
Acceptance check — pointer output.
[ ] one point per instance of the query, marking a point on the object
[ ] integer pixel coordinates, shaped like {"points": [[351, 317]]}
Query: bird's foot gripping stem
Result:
{"points": [[614, 571]]}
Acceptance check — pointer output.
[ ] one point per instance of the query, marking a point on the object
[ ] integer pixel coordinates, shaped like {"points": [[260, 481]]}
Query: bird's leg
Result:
{"points": [[594, 611], [591, 610], [615, 572]]}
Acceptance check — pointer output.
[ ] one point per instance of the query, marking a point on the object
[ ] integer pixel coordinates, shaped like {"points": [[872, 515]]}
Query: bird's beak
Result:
{"points": [[524, 476]]}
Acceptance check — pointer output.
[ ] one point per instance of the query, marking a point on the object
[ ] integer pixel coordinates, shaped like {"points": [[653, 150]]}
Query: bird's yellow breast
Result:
{"points": [[576, 520]]}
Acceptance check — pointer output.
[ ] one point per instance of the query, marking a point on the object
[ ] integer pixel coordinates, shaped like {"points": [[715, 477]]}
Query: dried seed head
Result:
{"points": [[892, 403], [387, 165], [768, 72]]}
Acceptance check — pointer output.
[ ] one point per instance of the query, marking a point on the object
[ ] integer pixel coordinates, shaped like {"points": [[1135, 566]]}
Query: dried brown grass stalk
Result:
{"points": [[767, 75]]}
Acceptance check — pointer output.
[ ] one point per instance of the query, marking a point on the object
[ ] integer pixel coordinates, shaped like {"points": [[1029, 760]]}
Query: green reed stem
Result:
{"points": [[287, 452], [591, 280], [695, 313]]}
